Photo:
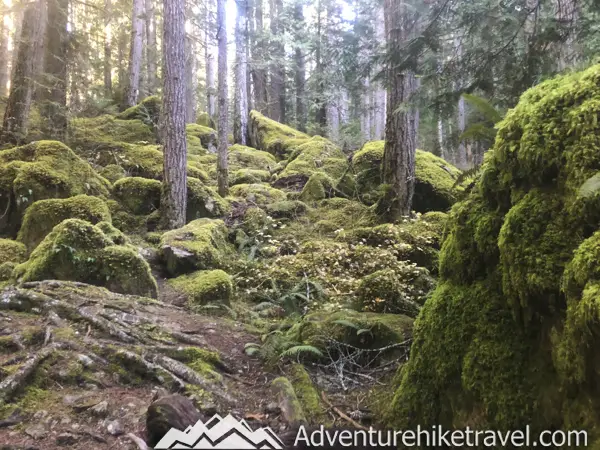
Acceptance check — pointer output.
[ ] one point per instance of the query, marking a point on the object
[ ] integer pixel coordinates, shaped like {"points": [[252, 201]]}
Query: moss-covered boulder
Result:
{"points": [[141, 196], [200, 245], [206, 135], [241, 157], [41, 217], [12, 251], [273, 137], [204, 201], [76, 250], [258, 194], [509, 335], [286, 209], [249, 176], [204, 119], [147, 111], [113, 172], [86, 134], [42, 170], [434, 183], [337, 214], [205, 287]]}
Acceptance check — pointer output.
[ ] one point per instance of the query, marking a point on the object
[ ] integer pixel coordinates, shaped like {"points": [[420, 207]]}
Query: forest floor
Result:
{"points": [[98, 406]]}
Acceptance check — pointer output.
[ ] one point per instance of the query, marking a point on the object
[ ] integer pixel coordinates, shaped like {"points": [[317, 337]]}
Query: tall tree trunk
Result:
{"points": [[151, 53], [223, 125], [333, 121], [211, 88], [248, 45], [380, 101], [3, 52], [54, 90], [300, 66], [240, 112], [135, 54], [567, 15], [402, 119], [320, 100], [18, 27], [122, 61], [107, 49], [259, 56], [190, 81], [365, 121], [277, 85], [14, 126], [174, 193]]}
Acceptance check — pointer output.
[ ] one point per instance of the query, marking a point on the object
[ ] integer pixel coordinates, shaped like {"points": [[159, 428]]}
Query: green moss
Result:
{"points": [[259, 194], [42, 170], [44, 215], [147, 111], [205, 120], [343, 213], [241, 157], [249, 176], [139, 195], [316, 155], [12, 251], [76, 250], [125, 221], [286, 209], [318, 187], [204, 201], [6, 270], [200, 245], [85, 134], [207, 135], [205, 286], [284, 390], [114, 234], [273, 137], [113, 172], [307, 395]]}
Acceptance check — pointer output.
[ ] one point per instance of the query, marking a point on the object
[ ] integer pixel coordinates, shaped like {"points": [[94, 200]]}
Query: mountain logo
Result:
{"points": [[220, 433]]}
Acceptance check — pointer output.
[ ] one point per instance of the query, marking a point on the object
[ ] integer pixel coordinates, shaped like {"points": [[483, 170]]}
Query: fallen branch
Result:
{"points": [[342, 414], [138, 441]]}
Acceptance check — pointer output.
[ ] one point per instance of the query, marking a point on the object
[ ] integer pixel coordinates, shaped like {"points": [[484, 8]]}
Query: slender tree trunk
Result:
{"points": [[190, 82], [223, 125], [240, 113], [320, 101], [135, 54], [54, 90], [14, 126], [259, 56], [365, 121], [402, 120], [174, 194], [107, 49], [300, 63], [151, 52], [277, 85], [3, 52], [248, 45], [142, 88], [121, 55], [333, 121], [211, 88], [18, 24], [567, 15]]}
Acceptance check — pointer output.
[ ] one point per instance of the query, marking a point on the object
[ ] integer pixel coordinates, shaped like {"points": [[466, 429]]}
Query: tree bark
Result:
{"points": [[365, 121], [300, 66], [135, 54], [174, 194], [211, 89], [223, 125], [240, 113], [190, 82], [54, 91], [259, 56], [3, 52], [277, 84], [107, 49], [122, 60], [402, 119], [567, 14], [320, 100], [151, 51], [14, 126]]}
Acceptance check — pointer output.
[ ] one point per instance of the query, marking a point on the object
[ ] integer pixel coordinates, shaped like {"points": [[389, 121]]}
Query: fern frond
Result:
{"points": [[301, 349], [346, 323], [484, 107], [590, 187], [469, 173]]}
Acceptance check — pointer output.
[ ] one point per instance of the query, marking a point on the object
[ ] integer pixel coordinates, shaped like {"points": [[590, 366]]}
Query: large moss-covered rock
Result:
{"points": [[42, 170], [204, 201], [205, 287], [509, 337], [434, 183], [12, 251], [147, 111], [273, 137], [76, 250], [241, 157], [44, 215], [259, 194], [249, 176], [86, 134], [200, 245], [206, 135], [141, 196]]}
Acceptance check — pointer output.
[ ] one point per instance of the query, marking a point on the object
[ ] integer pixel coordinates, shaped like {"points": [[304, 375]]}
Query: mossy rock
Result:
{"points": [[343, 214], [241, 157], [307, 395], [203, 201], [273, 137], [200, 245], [204, 119], [207, 135], [76, 250], [258, 194], [434, 183], [289, 403], [147, 111], [127, 222], [113, 172], [316, 155], [286, 209], [85, 134], [508, 336], [141, 196], [249, 176], [41, 217], [42, 170], [114, 234], [12, 251], [205, 287]]}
